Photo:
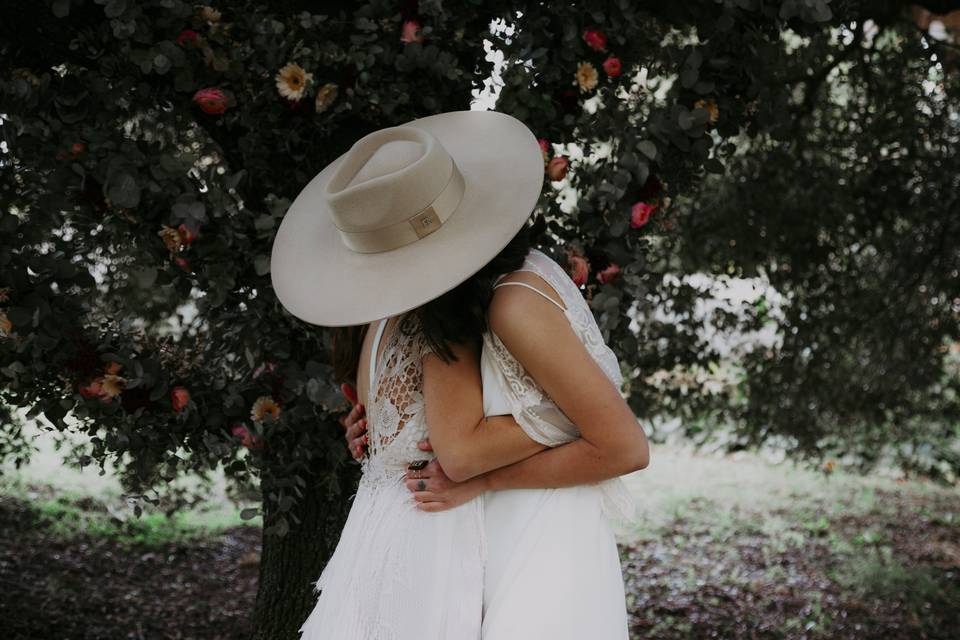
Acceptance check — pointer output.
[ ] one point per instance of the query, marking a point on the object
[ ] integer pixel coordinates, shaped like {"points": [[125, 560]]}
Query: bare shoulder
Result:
{"points": [[517, 311]]}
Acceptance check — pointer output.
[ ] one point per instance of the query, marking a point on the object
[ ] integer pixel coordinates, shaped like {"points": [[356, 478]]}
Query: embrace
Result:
{"points": [[490, 424]]}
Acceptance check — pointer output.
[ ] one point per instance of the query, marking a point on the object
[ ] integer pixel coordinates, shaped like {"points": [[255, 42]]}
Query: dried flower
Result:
{"points": [[411, 32], [292, 81], [586, 77], [262, 406], [212, 101], [112, 385], [171, 239], [211, 15], [325, 97], [595, 39], [640, 214], [612, 66], [557, 168], [6, 327]]}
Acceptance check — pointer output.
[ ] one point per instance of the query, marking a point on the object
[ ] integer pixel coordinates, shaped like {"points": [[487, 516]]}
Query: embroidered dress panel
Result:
{"points": [[387, 545]]}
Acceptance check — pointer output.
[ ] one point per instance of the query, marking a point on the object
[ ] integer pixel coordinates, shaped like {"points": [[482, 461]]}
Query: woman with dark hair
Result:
{"points": [[514, 382]]}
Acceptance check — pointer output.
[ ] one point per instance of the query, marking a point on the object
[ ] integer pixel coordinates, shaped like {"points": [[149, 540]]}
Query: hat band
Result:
{"points": [[417, 226]]}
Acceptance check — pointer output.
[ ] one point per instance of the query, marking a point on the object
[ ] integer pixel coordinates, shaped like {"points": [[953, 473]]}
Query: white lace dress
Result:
{"points": [[399, 573], [552, 569]]}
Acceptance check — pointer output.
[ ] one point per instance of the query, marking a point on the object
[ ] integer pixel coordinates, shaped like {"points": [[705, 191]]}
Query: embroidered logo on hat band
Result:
{"points": [[419, 225]]}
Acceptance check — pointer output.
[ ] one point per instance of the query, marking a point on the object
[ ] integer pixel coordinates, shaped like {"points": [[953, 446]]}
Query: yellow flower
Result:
{"points": [[292, 81], [586, 77], [6, 327], [829, 466], [112, 385], [171, 238], [710, 106], [325, 97], [262, 406], [211, 15]]}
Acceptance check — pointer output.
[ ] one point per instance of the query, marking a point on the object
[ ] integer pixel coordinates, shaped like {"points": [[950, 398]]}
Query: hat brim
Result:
{"points": [[321, 281]]}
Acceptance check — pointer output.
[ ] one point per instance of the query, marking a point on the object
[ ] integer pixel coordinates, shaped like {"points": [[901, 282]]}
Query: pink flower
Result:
{"points": [[187, 36], [579, 269], [557, 168], [411, 32], [179, 397], [186, 235], [213, 101], [595, 39], [544, 145], [609, 274], [640, 214], [247, 439], [612, 66]]}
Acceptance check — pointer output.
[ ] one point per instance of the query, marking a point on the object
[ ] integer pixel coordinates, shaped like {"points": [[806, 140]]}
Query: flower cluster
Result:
{"points": [[293, 83], [586, 76], [107, 386]]}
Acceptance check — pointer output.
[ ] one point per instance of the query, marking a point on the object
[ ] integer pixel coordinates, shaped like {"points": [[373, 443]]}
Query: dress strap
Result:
{"points": [[374, 350], [532, 288]]}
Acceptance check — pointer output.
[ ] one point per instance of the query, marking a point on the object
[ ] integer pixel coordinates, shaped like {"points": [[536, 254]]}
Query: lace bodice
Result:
{"points": [[396, 416]]}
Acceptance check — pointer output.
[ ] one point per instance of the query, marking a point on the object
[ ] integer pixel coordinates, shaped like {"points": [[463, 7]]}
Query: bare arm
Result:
{"points": [[612, 442], [466, 443]]}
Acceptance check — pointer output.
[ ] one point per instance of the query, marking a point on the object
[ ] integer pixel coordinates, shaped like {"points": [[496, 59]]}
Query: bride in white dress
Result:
{"points": [[412, 225]]}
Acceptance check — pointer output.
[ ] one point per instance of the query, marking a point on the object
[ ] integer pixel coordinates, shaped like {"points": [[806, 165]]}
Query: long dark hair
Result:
{"points": [[457, 317]]}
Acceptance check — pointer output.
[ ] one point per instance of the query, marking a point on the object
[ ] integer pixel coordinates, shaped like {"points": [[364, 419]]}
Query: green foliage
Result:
{"points": [[127, 197]]}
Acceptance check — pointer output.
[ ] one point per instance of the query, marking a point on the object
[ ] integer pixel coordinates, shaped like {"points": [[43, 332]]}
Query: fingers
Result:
{"points": [[433, 507], [347, 389], [358, 446], [424, 445], [415, 487], [356, 429], [426, 497], [358, 412]]}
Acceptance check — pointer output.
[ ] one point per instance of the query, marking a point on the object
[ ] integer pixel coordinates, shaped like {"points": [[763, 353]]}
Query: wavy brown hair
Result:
{"points": [[457, 317]]}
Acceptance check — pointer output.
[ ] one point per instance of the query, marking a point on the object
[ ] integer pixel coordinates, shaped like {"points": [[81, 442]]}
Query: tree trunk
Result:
{"points": [[290, 565]]}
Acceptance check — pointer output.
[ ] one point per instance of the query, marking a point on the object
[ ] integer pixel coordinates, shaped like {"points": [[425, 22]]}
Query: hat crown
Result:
{"points": [[386, 178]]}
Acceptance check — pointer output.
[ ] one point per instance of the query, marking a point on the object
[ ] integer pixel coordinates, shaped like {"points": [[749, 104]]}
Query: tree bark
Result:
{"points": [[290, 565]]}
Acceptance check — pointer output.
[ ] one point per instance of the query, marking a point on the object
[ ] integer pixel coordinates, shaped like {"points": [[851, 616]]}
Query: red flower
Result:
{"points": [[595, 39], [411, 32], [187, 36], [609, 274], [77, 148], [557, 168], [247, 439], [579, 269], [213, 101], [179, 398], [91, 389], [612, 66], [183, 263], [186, 235], [640, 214]]}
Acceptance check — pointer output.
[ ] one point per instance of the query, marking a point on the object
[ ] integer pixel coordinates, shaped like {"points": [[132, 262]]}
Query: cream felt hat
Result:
{"points": [[408, 213]]}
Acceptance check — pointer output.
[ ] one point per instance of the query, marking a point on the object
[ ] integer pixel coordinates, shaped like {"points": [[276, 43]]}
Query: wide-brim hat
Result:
{"points": [[405, 215]]}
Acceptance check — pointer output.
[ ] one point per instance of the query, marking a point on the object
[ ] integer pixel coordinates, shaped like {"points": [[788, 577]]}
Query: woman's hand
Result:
{"points": [[434, 491], [354, 424]]}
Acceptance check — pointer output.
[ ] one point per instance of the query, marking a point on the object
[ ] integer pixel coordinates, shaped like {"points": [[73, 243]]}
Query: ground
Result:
{"points": [[725, 547]]}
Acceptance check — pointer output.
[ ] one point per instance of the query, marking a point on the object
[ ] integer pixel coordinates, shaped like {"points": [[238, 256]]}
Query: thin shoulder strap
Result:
{"points": [[374, 350], [532, 288]]}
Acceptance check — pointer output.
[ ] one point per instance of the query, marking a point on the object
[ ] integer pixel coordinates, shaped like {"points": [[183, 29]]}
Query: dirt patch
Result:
{"points": [[97, 588]]}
